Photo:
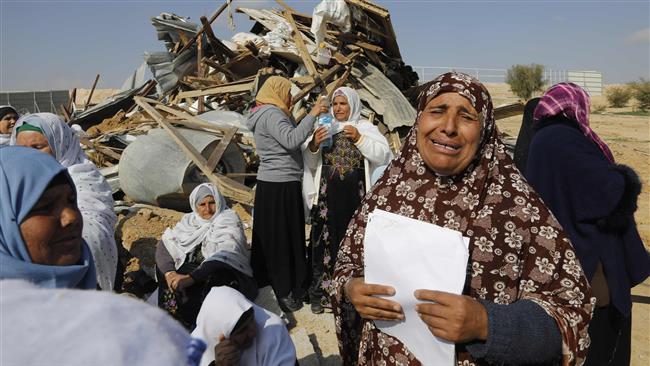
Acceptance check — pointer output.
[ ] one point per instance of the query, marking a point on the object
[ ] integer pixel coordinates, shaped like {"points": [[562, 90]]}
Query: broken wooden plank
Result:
{"points": [[221, 50], [300, 44], [210, 21], [230, 188], [92, 90], [325, 77], [221, 89], [218, 151], [508, 110], [103, 150]]}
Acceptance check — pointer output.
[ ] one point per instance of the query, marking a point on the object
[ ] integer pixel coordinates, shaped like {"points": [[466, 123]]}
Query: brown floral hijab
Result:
{"points": [[517, 250]]}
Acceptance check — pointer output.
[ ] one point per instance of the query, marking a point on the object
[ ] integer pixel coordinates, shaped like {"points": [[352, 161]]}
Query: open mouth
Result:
{"points": [[450, 147]]}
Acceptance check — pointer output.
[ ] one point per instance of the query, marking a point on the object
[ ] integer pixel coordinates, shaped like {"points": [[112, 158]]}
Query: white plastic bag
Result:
{"points": [[333, 11]]}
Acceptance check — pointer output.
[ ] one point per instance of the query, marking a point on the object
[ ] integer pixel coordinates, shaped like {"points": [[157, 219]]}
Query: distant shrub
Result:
{"points": [[598, 108], [641, 92], [618, 96], [524, 80]]}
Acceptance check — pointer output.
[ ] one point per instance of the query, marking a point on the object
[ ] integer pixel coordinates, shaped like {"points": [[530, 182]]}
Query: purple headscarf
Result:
{"points": [[571, 101]]}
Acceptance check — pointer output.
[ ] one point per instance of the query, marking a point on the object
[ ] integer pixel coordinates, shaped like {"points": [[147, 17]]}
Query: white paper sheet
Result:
{"points": [[409, 254]]}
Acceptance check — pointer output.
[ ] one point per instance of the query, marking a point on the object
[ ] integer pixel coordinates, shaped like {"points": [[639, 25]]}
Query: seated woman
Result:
{"points": [[40, 224], [594, 199], [523, 278], [335, 180], [50, 134], [206, 248], [79, 328], [238, 332], [8, 117]]}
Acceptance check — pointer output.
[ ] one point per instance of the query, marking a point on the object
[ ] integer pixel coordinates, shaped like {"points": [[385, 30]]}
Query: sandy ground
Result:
{"points": [[628, 136]]}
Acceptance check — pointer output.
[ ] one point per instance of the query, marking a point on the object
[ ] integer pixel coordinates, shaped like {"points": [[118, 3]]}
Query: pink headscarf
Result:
{"points": [[571, 101]]}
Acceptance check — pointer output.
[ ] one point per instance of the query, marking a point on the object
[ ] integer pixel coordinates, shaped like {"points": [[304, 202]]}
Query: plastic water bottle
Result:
{"points": [[325, 119], [195, 351]]}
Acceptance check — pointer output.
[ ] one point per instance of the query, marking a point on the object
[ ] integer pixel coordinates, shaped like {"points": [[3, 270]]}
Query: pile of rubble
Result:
{"points": [[157, 139]]}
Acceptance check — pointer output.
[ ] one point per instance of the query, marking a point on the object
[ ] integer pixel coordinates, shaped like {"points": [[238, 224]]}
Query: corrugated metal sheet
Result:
{"points": [[384, 97]]}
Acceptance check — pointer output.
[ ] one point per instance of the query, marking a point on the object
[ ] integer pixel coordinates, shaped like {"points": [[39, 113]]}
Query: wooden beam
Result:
{"points": [[92, 90], [215, 43], [300, 44], [199, 69], [218, 151], [221, 89], [230, 188], [103, 150], [218, 67], [210, 21]]}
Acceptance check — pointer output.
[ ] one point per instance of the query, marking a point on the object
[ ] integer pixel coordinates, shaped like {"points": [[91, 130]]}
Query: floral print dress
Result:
{"points": [[341, 189]]}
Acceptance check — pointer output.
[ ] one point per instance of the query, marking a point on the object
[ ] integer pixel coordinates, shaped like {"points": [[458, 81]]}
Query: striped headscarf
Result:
{"points": [[571, 101]]}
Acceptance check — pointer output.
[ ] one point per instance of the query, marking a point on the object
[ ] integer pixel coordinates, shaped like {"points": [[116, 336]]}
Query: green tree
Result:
{"points": [[524, 80], [641, 92]]}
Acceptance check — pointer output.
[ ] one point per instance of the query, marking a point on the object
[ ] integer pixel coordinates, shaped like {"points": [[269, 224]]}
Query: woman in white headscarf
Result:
{"points": [[238, 332], [49, 133], [335, 180], [8, 117], [206, 248]]}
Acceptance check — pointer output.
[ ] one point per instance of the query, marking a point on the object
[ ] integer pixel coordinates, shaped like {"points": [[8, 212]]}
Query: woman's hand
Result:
{"points": [[319, 107], [320, 135], [455, 318], [184, 282], [172, 278], [352, 133], [369, 306], [226, 352]]}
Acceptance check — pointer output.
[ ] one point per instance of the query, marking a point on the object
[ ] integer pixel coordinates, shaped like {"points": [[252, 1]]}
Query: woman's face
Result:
{"points": [[34, 140], [341, 108], [288, 101], [206, 207], [7, 123], [52, 229], [448, 134]]}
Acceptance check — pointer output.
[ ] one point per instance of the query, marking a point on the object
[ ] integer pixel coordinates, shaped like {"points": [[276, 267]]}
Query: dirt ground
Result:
{"points": [[628, 136]]}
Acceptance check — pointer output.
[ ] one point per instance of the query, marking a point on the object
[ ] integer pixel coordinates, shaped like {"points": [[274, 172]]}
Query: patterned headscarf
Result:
{"points": [[571, 101], [274, 91], [517, 249]]}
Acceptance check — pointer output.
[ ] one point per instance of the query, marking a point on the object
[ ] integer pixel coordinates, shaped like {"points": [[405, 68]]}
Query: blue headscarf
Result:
{"points": [[25, 174]]}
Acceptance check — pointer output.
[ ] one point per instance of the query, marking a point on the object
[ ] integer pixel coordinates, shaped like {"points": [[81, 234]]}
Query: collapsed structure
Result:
{"points": [[157, 139]]}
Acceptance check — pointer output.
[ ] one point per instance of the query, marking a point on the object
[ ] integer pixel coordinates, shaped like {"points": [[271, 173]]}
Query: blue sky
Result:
{"points": [[61, 44]]}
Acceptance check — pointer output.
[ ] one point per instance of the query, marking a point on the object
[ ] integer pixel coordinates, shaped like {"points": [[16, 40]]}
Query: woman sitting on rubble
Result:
{"points": [[206, 248], [50, 134], [594, 199], [8, 117], [278, 253], [40, 223], [336, 179], [523, 280], [239, 333]]}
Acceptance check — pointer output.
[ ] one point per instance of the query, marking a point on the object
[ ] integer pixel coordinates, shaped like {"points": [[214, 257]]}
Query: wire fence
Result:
{"points": [[590, 80]]}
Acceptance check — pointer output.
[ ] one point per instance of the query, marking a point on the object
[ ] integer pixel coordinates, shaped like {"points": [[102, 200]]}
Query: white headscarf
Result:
{"points": [[355, 109], [79, 327], [5, 138], [220, 312], [221, 237], [94, 196]]}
